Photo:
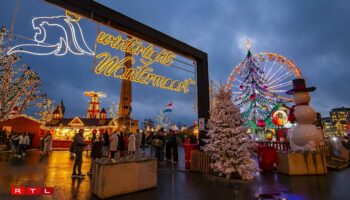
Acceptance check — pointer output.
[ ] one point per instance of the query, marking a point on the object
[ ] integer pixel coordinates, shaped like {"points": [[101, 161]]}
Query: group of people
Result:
{"points": [[164, 145], [105, 145], [19, 143], [122, 143], [118, 144]]}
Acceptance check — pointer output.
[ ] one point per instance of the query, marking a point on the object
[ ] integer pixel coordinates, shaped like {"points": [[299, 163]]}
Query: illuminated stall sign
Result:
{"points": [[115, 67]]}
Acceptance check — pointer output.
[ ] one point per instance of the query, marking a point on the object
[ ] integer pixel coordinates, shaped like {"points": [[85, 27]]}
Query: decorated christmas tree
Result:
{"points": [[229, 145], [19, 85], [256, 101]]}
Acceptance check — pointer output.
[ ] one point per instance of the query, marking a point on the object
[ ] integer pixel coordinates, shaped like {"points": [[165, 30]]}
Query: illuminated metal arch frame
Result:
{"points": [[113, 19]]}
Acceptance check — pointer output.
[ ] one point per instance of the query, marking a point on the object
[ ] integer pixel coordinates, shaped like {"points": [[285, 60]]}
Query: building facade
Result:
{"points": [[328, 128], [341, 120]]}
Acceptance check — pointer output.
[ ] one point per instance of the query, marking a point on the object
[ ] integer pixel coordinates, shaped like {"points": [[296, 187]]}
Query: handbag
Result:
{"points": [[157, 143]]}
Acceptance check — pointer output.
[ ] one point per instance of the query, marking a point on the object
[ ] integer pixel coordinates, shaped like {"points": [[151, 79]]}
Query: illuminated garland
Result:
{"points": [[135, 47], [113, 66]]}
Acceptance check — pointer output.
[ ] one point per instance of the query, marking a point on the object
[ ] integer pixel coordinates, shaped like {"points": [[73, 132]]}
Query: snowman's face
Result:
{"points": [[301, 97]]}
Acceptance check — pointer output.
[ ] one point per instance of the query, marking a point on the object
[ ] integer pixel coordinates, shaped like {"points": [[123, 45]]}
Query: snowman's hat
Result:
{"points": [[299, 85]]}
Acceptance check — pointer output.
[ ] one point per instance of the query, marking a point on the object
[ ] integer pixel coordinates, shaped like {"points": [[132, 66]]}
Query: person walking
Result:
{"points": [[15, 144], [173, 142], [47, 144], [26, 142], [131, 144], [96, 152], [138, 137], [106, 144], [21, 145], [79, 145], [121, 144], [113, 147], [42, 143]]}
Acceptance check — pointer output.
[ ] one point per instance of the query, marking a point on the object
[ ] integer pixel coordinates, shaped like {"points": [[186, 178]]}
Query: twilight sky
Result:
{"points": [[314, 34]]}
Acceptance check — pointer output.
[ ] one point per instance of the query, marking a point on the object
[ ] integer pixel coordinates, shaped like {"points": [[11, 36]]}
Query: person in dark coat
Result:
{"points": [[168, 147], [106, 144], [121, 145], [96, 152], [173, 142], [158, 142], [149, 139], [78, 150], [143, 141]]}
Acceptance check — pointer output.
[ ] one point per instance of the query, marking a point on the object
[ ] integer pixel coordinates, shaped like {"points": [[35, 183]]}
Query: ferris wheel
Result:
{"points": [[277, 71]]}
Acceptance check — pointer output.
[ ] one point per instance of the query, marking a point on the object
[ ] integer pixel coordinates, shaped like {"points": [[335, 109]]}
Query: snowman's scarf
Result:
{"points": [[291, 116]]}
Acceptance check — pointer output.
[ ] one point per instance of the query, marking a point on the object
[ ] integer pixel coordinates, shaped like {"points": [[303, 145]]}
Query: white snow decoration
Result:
{"points": [[229, 145]]}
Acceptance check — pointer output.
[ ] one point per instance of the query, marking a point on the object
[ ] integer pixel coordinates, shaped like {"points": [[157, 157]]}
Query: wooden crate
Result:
{"points": [[200, 162], [301, 163]]}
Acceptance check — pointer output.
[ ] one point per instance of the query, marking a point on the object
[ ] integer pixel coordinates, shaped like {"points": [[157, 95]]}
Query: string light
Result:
{"points": [[113, 66]]}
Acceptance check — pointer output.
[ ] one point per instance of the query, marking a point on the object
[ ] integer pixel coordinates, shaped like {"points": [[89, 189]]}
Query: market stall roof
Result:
{"points": [[81, 122]]}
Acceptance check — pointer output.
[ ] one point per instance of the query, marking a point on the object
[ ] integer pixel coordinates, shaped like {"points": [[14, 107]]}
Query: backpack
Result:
{"points": [[72, 147]]}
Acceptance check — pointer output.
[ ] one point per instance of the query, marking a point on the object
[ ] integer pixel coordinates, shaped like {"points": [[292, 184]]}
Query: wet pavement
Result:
{"points": [[173, 182]]}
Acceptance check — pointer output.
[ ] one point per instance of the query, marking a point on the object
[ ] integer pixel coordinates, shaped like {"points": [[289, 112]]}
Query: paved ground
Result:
{"points": [[172, 184]]}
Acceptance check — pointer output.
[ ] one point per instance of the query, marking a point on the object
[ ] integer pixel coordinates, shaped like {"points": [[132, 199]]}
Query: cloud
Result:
{"points": [[314, 34]]}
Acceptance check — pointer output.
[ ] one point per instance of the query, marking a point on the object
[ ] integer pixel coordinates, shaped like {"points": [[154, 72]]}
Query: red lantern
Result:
{"points": [[261, 123]]}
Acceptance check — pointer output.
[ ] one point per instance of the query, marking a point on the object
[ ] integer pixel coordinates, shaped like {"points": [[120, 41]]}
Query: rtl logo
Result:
{"points": [[21, 190]]}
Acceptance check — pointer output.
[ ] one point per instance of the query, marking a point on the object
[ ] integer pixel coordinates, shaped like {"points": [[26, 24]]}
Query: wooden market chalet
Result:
{"points": [[96, 120]]}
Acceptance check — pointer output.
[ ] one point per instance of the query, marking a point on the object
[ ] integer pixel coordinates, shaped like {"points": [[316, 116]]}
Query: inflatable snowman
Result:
{"points": [[304, 136]]}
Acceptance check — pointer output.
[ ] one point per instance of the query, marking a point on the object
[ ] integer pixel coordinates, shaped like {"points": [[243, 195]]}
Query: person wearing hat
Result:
{"points": [[299, 85], [79, 145]]}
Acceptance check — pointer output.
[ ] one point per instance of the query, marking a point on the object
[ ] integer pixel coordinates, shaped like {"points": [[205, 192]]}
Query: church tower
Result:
{"points": [[125, 121]]}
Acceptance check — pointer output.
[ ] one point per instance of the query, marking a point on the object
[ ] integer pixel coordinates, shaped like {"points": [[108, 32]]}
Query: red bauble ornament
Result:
{"points": [[264, 87], [252, 97], [241, 87], [261, 123]]}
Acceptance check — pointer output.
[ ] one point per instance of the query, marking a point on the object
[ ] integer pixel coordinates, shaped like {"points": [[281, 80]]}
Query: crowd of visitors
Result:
{"points": [[164, 145], [18, 143], [119, 144]]}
